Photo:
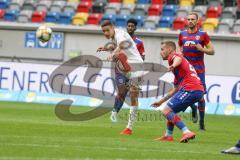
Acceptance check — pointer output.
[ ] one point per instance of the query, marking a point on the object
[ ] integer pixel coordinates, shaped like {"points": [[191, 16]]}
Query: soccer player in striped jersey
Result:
{"points": [[125, 73], [193, 44], [188, 90], [131, 28]]}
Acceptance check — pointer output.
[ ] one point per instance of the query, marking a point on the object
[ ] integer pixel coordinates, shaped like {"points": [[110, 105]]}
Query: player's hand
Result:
{"points": [[199, 47], [170, 68], [156, 104]]}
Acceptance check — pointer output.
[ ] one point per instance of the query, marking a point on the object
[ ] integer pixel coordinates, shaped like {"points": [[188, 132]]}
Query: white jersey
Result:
{"points": [[132, 52]]}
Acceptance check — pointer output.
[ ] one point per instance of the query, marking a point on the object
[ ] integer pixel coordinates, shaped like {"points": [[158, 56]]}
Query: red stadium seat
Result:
{"points": [[158, 2], [38, 16], [84, 7], [155, 10], [179, 23], [115, 1], [94, 18], [214, 12], [2, 13]]}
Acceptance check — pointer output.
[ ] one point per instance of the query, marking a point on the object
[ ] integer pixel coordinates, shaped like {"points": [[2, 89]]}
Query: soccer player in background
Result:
{"points": [[233, 150], [124, 80], [131, 28], [193, 44], [187, 90]]}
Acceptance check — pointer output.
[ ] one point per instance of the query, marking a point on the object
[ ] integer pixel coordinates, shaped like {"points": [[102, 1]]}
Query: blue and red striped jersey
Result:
{"points": [[185, 76], [188, 42]]}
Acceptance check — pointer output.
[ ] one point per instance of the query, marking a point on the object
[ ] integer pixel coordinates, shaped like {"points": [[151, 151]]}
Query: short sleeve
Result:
{"points": [[180, 40], [206, 39]]}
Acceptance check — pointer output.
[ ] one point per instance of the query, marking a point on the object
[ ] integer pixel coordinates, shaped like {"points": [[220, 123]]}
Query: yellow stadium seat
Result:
{"points": [[210, 24], [80, 18], [73, 1], [186, 2], [128, 1], [163, 29]]}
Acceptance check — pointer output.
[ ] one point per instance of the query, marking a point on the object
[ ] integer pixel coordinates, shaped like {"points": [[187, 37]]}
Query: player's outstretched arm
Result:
{"points": [[164, 99], [176, 62]]}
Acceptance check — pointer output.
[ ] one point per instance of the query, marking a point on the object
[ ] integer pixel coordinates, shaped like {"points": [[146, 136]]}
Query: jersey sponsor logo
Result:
{"points": [[189, 43]]}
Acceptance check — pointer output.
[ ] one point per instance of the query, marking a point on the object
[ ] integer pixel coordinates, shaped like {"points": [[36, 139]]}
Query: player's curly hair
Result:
{"points": [[132, 20]]}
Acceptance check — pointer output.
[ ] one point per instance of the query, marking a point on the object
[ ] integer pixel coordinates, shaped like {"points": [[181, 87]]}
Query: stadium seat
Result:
{"points": [[4, 4], [175, 2], [229, 3], [11, 15], [210, 24], [112, 8], [57, 6], [179, 23], [183, 11], [15, 5], [101, 1], [236, 27], [52, 17], [140, 10], [225, 26], [131, 2], [165, 22], [65, 18], [84, 7], [94, 18], [70, 7], [115, 1], [229, 12], [200, 2], [155, 10], [24, 16], [161, 2], [79, 18], [112, 18], [43, 5], [38, 16], [169, 10], [121, 21], [126, 9], [143, 1], [214, 12], [28, 5], [186, 2], [215, 3], [150, 23], [2, 13], [200, 10], [98, 7]]}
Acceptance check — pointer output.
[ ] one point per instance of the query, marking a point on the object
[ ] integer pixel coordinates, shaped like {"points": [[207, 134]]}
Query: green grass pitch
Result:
{"points": [[33, 132]]}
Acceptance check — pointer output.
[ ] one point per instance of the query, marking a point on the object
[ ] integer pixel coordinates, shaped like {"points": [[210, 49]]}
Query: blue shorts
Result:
{"points": [[182, 99], [121, 79], [202, 78]]}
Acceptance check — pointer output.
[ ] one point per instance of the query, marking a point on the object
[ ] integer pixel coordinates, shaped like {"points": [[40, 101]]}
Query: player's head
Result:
{"points": [[192, 20], [108, 29], [131, 26], [167, 48]]}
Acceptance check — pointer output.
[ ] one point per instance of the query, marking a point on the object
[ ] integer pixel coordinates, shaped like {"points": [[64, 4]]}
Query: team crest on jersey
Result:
{"points": [[197, 37]]}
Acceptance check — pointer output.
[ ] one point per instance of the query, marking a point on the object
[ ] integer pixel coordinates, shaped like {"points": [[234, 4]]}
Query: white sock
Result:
{"points": [[132, 116]]}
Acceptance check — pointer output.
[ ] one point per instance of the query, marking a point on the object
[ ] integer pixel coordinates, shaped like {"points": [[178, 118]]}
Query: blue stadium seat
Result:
{"points": [[112, 18], [11, 15], [143, 1], [121, 20], [4, 4], [169, 10], [65, 17], [52, 17], [165, 22]]}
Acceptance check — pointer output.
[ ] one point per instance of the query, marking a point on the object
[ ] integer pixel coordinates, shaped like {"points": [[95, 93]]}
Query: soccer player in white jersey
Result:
{"points": [[126, 56]]}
